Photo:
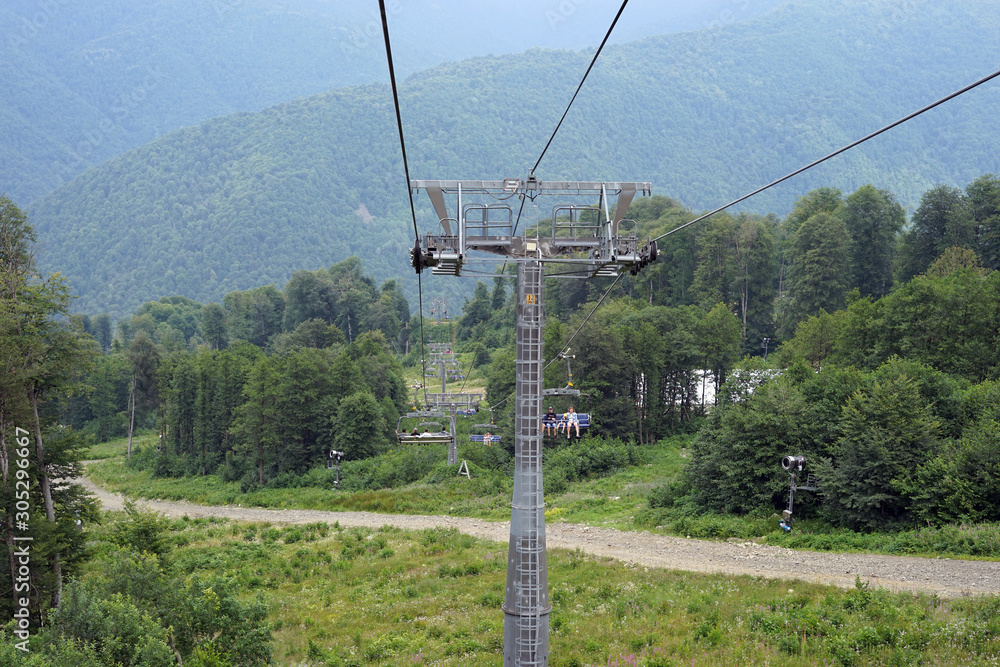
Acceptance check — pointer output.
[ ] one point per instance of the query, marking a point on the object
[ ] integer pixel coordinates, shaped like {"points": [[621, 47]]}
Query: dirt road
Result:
{"points": [[947, 578]]}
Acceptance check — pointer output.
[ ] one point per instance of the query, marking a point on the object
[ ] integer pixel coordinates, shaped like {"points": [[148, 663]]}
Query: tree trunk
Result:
{"points": [[46, 487], [8, 519], [131, 421]]}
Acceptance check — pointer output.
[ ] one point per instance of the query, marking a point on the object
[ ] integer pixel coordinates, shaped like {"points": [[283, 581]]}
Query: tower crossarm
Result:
{"points": [[474, 217]]}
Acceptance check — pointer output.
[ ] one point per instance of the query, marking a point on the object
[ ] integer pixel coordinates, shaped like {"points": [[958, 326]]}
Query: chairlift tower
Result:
{"points": [[584, 233]]}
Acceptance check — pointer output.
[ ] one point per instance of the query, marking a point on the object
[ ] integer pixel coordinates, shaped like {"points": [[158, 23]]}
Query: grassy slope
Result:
{"points": [[610, 501], [358, 596], [619, 500]]}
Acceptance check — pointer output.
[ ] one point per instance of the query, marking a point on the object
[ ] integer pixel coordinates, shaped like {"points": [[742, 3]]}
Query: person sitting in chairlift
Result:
{"points": [[549, 422], [572, 419]]}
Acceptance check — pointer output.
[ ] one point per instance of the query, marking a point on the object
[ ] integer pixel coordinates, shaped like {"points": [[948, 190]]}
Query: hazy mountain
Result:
{"points": [[247, 199], [84, 82]]}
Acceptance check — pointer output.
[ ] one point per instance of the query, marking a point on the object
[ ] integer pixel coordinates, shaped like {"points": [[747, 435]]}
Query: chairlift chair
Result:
{"points": [[486, 431], [571, 392], [427, 432]]}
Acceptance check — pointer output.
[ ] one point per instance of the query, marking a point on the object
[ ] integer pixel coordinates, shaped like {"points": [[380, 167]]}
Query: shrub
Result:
{"points": [[593, 457], [140, 529]]}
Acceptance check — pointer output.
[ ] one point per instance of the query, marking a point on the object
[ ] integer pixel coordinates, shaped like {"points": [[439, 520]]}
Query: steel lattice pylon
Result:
{"points": [[583, 235], [526, 602]]}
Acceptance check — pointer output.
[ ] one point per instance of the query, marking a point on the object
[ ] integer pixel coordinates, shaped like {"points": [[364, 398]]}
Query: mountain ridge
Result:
{"points": [[245, 200]]}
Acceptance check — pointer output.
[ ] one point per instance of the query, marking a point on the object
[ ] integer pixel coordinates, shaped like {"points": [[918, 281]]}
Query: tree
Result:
{"points": [[983, 197], [257, 423], [309, 295], [107, 401], [102, 331], [310, 333], [955, 259], [715, 275], [814, 341], [820, 200], [720, 334], [736, 265], [213, 326], [601, 368], [181, 408], [306, 396], [41, 353], [254, 315], [475, 313], [144, 360], [379, 367], [820, 268], [874, 219], [359, 427], [354, 295], [756, 262], [643, 346], [734, 460], [888, 431], [938, 223]]}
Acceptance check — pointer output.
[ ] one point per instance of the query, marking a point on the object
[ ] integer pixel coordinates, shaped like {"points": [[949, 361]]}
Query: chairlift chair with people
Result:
{"points": [[487, 433], [425, 431], [562, 417]]}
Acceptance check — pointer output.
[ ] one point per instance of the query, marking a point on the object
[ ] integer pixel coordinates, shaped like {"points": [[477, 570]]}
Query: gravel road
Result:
{"points": [[945, 577]]}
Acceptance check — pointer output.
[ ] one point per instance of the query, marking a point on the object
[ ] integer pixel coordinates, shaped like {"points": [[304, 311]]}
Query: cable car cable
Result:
{"points": [[784, 178], [590, 67], [406, 169], [572, 99], [575, 334], [836, 152], [586, 319]]}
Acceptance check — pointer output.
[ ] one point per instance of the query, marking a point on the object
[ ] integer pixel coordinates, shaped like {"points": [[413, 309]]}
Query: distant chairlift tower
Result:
{"points": [[581, 234]]}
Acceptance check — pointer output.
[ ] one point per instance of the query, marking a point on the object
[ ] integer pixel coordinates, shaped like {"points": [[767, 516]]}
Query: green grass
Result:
{"points": [[618, 499], [456, 496], [119, 448], [395, 597], [610, 500], [614, 500]]}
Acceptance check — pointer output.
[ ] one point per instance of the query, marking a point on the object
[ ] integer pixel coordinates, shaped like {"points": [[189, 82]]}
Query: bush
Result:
{"points": [[141, 530], [593, 457], [669, 494], [962, 483], [392, 469], [118, 631]]}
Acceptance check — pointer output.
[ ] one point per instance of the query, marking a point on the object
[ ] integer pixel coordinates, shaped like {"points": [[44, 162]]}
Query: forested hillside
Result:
{"points": [[86, 82], [245, 200]]}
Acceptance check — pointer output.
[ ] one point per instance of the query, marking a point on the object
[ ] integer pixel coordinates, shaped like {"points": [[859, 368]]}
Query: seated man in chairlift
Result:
{"points": [[549, 422], [572, 419]]}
